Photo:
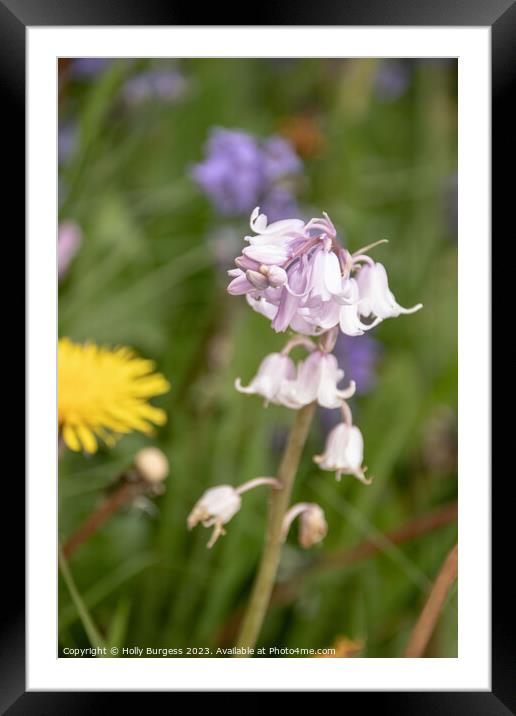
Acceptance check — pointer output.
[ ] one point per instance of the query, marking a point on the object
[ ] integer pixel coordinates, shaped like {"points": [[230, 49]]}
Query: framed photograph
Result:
{"points": [[258, 366]]}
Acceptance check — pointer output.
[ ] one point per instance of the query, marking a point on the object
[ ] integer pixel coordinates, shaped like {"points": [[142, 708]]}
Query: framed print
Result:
{"points": [[259, 458]]}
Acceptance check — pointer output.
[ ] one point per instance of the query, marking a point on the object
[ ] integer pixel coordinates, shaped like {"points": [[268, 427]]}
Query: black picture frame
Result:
{"points": [[500, 15]]}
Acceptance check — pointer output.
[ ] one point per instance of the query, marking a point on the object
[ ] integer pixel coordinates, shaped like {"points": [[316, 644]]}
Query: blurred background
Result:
{"points": [[160, 164]]}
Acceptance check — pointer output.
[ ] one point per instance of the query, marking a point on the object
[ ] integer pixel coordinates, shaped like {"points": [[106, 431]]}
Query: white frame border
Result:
{"points": [[471, 670]]}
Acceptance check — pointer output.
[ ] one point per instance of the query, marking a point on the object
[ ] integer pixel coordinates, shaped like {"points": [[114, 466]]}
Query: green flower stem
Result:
{"points": [[279, 503], [91, 630]]}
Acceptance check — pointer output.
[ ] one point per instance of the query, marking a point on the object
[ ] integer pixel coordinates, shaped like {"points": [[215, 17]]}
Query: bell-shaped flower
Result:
{"points": [[376, 298], [344, 453], [326, 277], [350, 310], [274, 370], [215, 508], [317, 379], [312, 523], [219, 504]]}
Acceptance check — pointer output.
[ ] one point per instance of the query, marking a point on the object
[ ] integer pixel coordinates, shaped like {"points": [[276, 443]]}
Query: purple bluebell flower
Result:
{"points": [[280, 203], [240, 172], [392, 79], [359, 356], [165, 85], [89, 67], [67, 141], [280, 159]]}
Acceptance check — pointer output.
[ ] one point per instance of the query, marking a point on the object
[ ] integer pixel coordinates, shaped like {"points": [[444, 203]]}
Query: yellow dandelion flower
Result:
{"points": [[103, 393]]}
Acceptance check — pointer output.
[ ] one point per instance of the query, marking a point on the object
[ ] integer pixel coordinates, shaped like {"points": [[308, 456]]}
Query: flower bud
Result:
{"points": [[312, 523], [277, 276], [258, 280], [312, 526], [151, 464]]}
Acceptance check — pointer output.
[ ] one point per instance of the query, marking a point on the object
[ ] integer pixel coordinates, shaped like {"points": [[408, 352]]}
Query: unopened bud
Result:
{"points": [[312, 526], [258, 280], [151, 464], [312, 523], [277, 276]]}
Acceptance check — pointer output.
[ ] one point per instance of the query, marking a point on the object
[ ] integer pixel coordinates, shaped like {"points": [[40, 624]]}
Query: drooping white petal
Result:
{"points": [[332, 273], [375, 296], [214, 509], [261, 305], [330, 375], [217, 504], [317, 379], [349, 316], [274, 370]]}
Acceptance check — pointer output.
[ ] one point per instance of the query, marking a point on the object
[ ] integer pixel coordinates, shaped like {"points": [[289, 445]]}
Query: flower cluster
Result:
{"points": [[300, 277], [317, 377], [240, 171]]}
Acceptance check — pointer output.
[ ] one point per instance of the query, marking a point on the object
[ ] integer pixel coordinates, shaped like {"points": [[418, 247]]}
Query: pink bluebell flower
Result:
{"points": [[344, 453], [214, 509], [69, 240], [300, 277], [375, 297], [317, 379], [218, 505], [274, 370]]}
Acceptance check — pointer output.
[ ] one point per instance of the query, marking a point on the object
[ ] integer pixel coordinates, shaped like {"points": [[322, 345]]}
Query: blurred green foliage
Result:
{"points": [[145, 276]]}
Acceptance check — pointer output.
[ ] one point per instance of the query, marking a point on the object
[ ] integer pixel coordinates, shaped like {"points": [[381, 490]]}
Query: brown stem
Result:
{"points": [[279, 502], [124, 494], [427, 621]]}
